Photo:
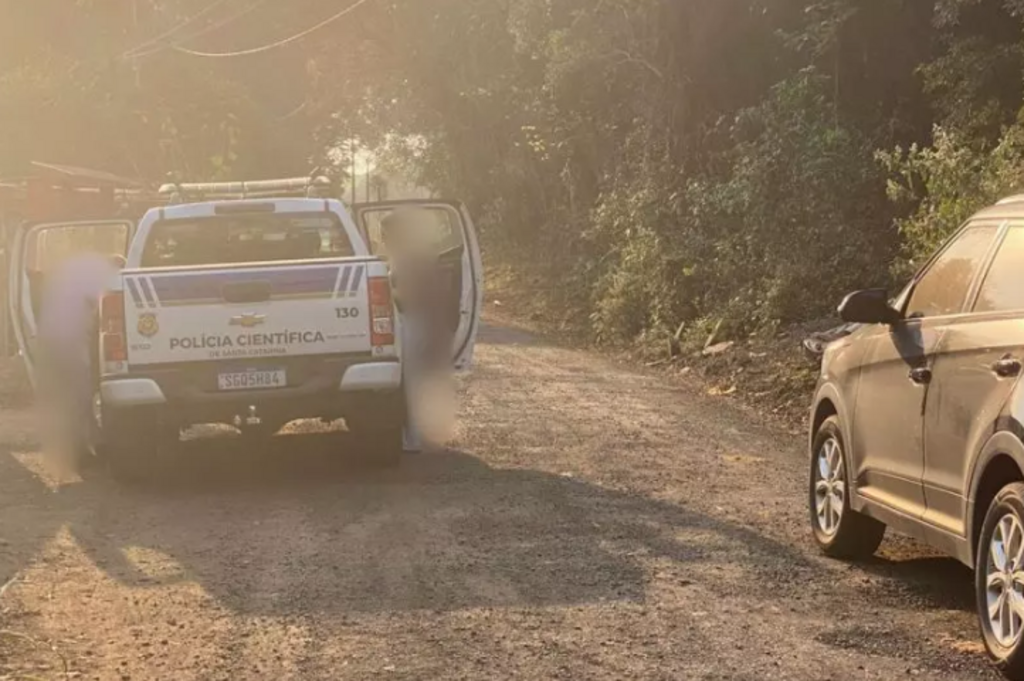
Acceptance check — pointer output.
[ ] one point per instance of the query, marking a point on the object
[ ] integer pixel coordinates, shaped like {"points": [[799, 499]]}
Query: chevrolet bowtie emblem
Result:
{"points": [[248, 321]]}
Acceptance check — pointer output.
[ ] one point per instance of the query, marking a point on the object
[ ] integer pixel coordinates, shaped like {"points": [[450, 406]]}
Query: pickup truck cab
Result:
{"points": [[255, 310]]}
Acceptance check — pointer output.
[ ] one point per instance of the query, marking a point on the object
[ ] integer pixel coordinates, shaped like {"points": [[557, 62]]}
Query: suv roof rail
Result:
{"points": [[314, 186]]}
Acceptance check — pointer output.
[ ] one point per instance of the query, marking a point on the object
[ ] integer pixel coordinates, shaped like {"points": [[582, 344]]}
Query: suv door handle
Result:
{"points": [[1008, 367], [921, 375]]}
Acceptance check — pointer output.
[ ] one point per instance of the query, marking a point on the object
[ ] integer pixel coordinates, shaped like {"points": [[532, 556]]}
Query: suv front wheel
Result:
{"points": [[840, 531], [999, 580]]}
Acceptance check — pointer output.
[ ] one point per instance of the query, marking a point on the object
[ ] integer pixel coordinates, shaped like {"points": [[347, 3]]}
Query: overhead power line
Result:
{"points": [[280, 43], [216, 26], [176, 29]]}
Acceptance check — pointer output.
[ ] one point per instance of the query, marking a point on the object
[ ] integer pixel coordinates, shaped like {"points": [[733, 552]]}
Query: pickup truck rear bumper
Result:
{"points": [[328, 389]]}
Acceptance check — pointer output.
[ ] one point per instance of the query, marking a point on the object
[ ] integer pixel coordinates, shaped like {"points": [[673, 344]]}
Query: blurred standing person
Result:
{"points": [[65, 367], [417, 279]]}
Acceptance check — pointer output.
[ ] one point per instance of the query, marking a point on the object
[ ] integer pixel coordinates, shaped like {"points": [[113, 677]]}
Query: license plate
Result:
{"points": [[252, 380]]}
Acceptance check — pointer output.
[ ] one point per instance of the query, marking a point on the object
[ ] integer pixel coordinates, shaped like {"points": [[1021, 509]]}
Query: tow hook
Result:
{"points": [[251, 420]]}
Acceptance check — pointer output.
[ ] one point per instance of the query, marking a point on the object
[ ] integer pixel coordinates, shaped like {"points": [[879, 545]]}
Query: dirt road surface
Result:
{"points": [[589, 522]]}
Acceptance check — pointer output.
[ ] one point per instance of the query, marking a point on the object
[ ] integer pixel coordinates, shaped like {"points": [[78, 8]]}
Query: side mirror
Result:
{"points": [[868, 307]]}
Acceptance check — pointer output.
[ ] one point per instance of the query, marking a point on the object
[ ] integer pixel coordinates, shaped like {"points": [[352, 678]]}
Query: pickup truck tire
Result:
{"points": [[378, 430], [136, 446]]}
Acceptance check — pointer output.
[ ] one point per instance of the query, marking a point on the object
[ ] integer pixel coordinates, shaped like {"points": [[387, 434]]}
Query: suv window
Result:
{"points": [[1003, 288], [245, 239], [942, 290]]}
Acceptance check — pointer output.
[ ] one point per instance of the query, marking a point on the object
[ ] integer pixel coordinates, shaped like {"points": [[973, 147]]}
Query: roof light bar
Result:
{"points": [[314, 186]]}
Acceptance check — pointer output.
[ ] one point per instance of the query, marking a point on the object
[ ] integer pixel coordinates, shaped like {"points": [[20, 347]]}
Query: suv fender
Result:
{"points": [[827, 392], [1008, 440]]}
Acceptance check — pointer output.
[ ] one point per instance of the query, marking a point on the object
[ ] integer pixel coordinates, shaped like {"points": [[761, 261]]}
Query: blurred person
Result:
{"points": [[417, 279], [66, 368]]}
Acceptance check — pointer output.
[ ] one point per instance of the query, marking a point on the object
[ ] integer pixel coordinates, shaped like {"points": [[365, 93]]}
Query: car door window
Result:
{"points": [[47, 247], [441, 228], [1003, 287], [943, 288]]}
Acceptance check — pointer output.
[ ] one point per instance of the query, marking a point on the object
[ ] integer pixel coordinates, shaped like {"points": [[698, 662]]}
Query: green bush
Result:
{"points": [[789, 223], [940, 186]]}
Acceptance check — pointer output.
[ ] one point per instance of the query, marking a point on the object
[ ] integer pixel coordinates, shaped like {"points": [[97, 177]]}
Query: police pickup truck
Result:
{"points": [[242, 303]]}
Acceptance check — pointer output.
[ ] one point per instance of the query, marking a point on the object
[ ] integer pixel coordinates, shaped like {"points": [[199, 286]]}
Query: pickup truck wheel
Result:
{"points": [[387, 446], [80, 447], [379, 432], [136, 446]]}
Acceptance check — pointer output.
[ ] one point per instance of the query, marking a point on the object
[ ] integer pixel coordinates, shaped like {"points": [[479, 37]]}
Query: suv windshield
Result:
{"points": [[239, 239]]}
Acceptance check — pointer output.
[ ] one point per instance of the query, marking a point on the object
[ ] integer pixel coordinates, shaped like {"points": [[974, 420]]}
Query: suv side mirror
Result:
{"points": [[868, 307]]}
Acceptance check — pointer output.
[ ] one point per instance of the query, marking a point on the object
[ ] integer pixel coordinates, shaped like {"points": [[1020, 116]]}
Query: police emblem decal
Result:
{"points": [[148, 325]]}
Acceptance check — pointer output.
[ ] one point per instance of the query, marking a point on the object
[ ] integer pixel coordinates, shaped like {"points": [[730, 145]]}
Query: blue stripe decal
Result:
{"points": [[357, 281], [346, 275], [133, 291], [147, 291], [183, 288]]}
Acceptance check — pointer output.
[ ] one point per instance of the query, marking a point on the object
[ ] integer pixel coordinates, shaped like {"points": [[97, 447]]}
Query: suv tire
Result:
{"points": [[997, 586], [839, 531]]}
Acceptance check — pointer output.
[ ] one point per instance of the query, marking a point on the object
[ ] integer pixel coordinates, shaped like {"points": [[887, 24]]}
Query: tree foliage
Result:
{"points": [[655, 162], [95, 83]]}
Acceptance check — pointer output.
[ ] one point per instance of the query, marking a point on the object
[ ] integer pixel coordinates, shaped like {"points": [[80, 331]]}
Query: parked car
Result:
{"points": [[917, 421]]}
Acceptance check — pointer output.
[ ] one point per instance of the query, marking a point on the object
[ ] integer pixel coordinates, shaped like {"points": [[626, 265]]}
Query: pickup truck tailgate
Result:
{"points": [[280, 310]]}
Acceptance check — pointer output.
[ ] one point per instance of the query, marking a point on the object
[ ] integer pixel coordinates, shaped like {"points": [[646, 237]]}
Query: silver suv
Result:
{"points": [[917, 421]]}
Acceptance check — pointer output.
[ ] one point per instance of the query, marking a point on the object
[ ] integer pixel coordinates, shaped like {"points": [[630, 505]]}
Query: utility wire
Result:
{"points": [[280, 43], [179, 27], [216, 26]]}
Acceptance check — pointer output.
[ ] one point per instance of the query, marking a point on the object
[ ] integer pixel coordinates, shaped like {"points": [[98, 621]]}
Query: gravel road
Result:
{"points": [[589, 522]]}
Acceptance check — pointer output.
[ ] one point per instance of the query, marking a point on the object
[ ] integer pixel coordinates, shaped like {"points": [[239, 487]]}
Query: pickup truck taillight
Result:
{"points": [[382, 312], [112, 330]]}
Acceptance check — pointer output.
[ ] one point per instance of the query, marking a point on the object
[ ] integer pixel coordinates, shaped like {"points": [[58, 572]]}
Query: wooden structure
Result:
{"points": [[55, 193]]}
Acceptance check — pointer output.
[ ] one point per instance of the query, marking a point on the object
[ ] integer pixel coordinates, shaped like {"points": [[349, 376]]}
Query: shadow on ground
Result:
{"points": [[931, 582], [285, 528], [294, 526]]}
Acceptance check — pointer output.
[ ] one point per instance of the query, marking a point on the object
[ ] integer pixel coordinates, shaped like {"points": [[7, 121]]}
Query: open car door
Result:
{"points": [[36, 250], [451, 230]]}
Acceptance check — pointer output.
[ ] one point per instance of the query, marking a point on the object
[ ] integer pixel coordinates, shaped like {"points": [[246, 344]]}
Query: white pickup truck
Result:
{"points": [[252, 311]]}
